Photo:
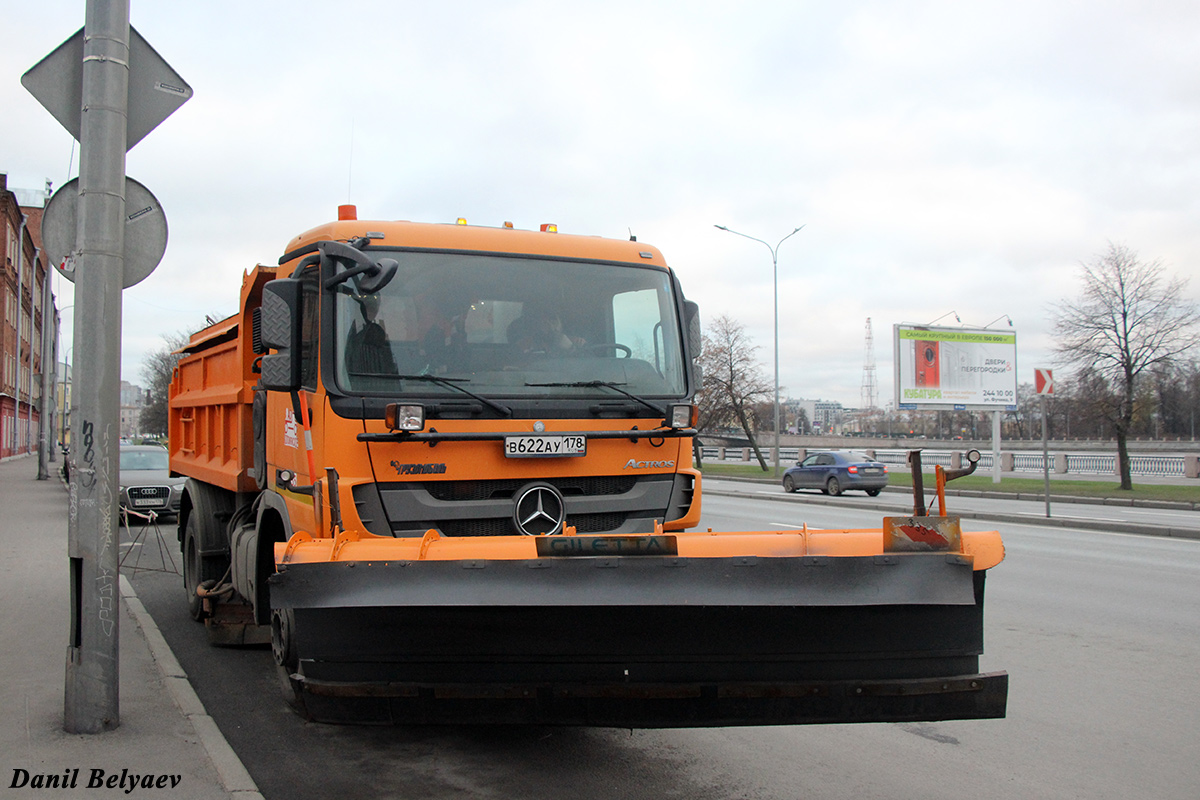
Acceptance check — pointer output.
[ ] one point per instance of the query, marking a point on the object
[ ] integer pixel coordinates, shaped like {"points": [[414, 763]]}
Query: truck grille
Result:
{"points": [[583, 523], [593, 504], [458, 491], [149, 496]]}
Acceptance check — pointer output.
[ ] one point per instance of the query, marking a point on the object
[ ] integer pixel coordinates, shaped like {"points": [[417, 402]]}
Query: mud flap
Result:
{"points": [[232, 625]]}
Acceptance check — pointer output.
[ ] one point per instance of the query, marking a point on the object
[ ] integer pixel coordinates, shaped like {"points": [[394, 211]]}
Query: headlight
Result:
{"points": [[683, 416], [404, 417]]}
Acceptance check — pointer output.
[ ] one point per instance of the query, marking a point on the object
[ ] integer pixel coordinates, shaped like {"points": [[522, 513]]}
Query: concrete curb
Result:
{"points": [[232, 773], [1016, 519]]}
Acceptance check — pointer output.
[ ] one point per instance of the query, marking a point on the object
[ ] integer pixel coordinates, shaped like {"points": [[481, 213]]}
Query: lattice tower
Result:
{"points": [[870, 390]]}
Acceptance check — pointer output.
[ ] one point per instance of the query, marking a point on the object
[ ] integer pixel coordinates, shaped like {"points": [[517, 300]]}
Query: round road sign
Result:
{"points": [[145, 230]]}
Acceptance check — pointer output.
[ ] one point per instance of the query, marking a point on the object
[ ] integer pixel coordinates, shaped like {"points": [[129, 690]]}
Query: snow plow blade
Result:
{"points": [[636, 641]]}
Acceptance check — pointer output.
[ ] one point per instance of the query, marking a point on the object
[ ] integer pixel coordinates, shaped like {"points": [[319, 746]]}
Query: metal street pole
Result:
{"points": [[775, 280], [109, 88], [60, 405], [66, 401], [49, 364], [91, 702], [1045, 457]]}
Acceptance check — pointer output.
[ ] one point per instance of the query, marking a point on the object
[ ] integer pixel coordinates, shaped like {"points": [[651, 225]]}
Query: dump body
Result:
{"points": [[210, 426], [451, 468]]}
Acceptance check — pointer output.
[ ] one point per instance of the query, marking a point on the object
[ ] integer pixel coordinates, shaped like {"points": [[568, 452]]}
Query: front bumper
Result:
{"points": [[638, 641], [161, 499]]}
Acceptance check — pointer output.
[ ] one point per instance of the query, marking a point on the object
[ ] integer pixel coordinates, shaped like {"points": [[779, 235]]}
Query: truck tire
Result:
{"points": [[283, 650], [209, 513], [196, 569]]}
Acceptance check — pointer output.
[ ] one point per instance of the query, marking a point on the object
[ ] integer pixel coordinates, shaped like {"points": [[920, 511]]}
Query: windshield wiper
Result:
{"points": [[616, 387], [452, 383]]}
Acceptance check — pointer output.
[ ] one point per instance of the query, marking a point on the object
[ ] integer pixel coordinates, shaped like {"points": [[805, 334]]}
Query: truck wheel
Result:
{"points": [[789, 485], [196, 568], [192, 573], [283, 650], [832, 487]]}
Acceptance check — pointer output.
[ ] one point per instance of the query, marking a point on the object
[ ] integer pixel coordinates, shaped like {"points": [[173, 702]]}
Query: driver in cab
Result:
{"points": [[540, 330]]}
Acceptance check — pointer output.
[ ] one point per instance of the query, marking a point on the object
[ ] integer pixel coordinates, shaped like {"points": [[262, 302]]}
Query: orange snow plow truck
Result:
{"points": [[447, 469]]}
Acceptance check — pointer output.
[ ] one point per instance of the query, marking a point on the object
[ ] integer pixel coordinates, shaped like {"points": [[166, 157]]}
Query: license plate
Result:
{"points": [[544, 446], [147, 501]]}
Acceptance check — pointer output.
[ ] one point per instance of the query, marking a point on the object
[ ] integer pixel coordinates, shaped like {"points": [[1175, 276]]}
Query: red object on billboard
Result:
{"points": [[927, 363]]}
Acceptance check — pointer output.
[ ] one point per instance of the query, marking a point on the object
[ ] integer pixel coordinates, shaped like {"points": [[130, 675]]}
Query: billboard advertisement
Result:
{"points": [[955, 368]]}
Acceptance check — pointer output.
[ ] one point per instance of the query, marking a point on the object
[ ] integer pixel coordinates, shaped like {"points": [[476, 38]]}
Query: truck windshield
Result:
{"points": [[509, 326]]}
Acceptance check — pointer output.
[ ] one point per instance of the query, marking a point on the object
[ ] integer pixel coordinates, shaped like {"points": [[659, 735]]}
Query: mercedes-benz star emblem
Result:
{"points": [[539, 510]]}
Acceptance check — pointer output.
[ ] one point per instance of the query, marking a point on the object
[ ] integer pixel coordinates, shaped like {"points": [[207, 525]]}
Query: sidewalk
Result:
{"points": [[164, 731]]}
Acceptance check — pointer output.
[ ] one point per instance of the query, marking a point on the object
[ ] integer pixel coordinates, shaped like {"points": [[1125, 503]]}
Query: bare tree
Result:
{"points": [[1176, 388], [157, 370], [733, 381], [1129, 318], [1029, 411]]}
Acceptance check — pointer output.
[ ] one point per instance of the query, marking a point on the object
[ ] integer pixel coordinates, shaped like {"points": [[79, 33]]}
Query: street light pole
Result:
{"points": [[65, 413], [775, 280], [46, 413], [61, 408]]}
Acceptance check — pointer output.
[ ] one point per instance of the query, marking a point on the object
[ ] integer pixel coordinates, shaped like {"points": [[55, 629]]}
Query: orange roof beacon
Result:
{"points": [[447, 471]]}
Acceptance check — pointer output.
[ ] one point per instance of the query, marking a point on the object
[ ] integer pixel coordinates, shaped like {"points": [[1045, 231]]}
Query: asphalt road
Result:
{"points": [[1100, 633]]}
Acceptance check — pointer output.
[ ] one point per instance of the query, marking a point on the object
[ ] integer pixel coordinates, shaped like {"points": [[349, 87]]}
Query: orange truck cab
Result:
{"points": [[448, 471]]}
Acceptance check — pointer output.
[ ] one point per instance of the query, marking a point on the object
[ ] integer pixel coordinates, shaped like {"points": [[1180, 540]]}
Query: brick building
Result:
{"points": [[23, 273]]}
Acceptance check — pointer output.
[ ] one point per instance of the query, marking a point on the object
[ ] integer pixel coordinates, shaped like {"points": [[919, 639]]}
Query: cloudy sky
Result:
{"points": [[941, 156]]}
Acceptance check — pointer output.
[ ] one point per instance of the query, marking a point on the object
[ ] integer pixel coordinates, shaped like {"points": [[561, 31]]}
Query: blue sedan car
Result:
{"points": [[836, 471]]}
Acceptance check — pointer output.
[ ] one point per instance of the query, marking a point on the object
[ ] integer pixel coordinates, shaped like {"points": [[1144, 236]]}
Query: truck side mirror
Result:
{"points": [[281, 332], [695, 342]]}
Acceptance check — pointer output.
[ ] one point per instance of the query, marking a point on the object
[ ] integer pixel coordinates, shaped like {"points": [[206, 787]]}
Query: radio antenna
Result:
{"points": [[350, 166]]}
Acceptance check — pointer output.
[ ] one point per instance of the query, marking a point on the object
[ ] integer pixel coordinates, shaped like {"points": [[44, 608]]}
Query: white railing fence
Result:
{"points": [[1162, 466]]}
